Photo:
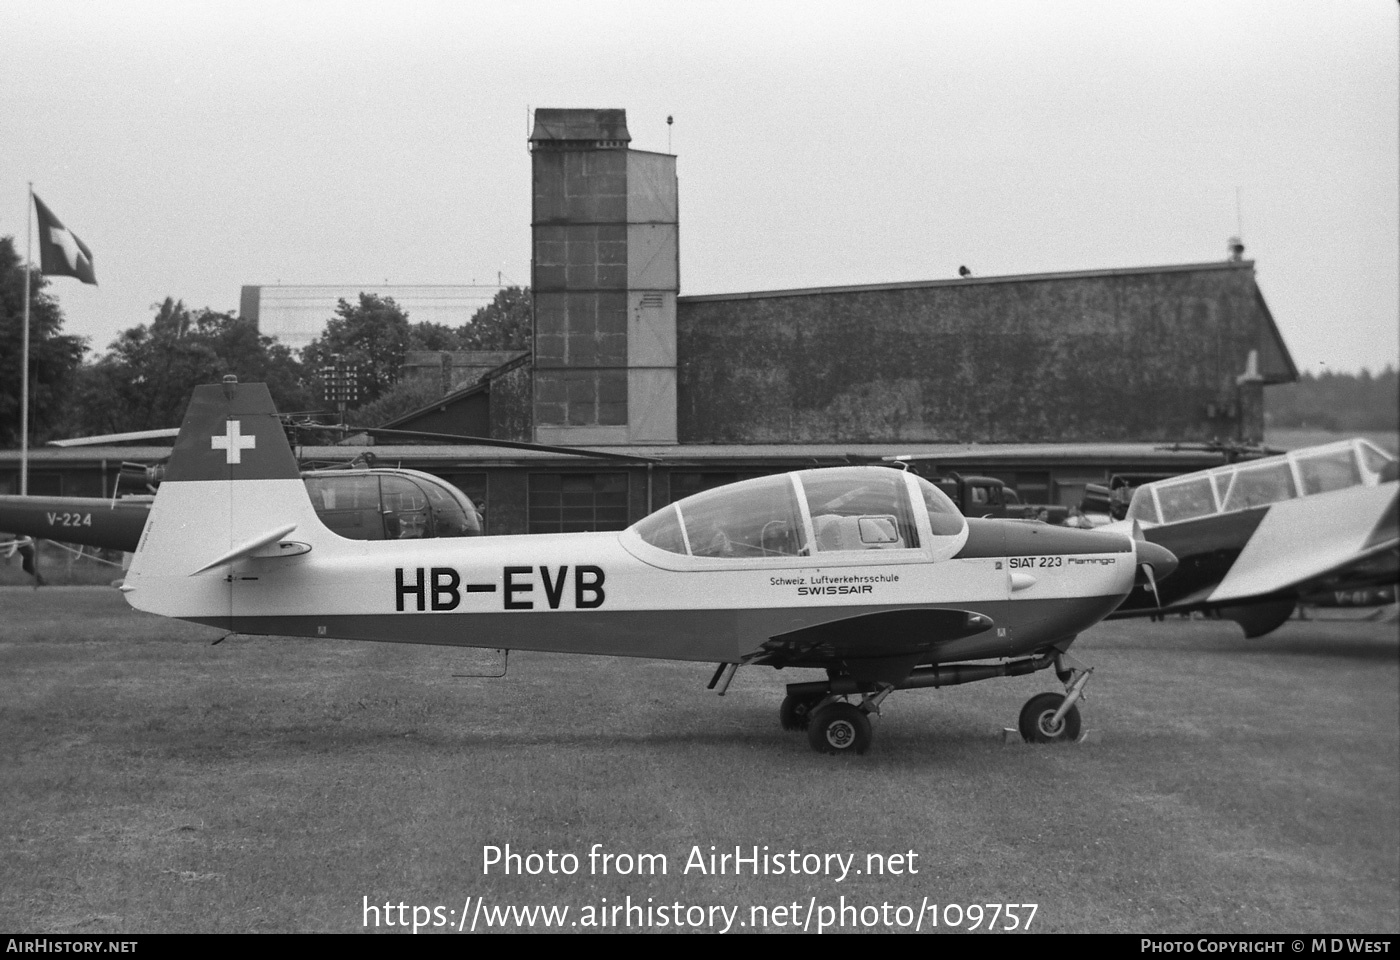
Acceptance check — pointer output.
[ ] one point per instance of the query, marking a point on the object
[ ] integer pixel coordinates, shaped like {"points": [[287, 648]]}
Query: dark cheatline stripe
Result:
{"points": [[1011, 538]]}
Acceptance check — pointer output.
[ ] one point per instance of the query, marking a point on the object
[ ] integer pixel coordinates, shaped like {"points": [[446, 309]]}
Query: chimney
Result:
{"points": [[1236, 246]]}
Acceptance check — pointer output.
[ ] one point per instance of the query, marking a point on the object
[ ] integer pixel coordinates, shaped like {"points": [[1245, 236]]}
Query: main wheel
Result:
{"points": [[796, 712], [839, 728], [1037, 716]]}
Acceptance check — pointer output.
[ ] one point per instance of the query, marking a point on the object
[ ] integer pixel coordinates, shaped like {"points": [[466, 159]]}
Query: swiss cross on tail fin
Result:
{"points": [[231, 432]]}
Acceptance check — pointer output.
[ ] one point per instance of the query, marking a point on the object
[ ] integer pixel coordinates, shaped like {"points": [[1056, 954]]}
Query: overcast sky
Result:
{"points": [[198, 147]]}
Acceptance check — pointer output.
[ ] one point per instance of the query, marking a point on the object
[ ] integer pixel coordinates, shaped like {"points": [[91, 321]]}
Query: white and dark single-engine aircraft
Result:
{"points": [[868, 572], [1255, 538]]}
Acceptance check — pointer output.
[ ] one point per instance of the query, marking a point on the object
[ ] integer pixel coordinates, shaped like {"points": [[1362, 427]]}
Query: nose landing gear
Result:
{"points": [[1054, 717]]}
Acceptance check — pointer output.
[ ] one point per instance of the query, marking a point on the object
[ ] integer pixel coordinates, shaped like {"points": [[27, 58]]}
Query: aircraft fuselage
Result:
{"points": [[612, 593]]}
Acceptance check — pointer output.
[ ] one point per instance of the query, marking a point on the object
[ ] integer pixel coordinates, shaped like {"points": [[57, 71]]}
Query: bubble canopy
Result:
{"points": [[1258, 483], [865, 514]]}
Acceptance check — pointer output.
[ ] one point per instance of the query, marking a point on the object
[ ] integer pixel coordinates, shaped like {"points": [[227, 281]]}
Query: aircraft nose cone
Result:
{"points": [[1159, 558]]}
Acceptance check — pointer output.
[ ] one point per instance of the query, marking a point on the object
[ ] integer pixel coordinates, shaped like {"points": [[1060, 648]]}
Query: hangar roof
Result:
{"points": [[972, 281]]}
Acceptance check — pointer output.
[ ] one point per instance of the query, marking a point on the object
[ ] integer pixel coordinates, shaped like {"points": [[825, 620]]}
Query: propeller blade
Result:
{"points": [[1151, 583], [1152, 558]]}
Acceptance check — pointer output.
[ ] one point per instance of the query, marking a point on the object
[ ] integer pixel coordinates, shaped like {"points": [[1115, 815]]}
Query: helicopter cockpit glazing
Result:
{"points": [[394, 504]]}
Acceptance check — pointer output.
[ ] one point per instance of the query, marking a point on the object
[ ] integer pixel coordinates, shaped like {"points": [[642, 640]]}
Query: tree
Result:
{"points": [[1337, 401], [144, 380], [503, 324], [243, 351], [54, 357], [373, 334], [407, 395], [435, 336]]}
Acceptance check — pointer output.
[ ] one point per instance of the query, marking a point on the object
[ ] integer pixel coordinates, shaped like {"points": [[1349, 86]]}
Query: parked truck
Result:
{"points": [[990, 497]]}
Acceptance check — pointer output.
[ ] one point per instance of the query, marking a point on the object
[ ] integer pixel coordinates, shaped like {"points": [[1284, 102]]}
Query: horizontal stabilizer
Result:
{"points": [[253, 546]]}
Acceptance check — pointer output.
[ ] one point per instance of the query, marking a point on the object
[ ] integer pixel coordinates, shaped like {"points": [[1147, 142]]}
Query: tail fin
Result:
{"points": [[231, 492], [231, 432]]}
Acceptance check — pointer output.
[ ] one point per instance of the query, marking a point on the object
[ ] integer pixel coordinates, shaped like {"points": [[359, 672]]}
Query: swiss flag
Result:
{"points": [[61, 253]]}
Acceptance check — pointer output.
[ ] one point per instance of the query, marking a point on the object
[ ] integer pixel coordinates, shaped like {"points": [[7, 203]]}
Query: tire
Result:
{"points": [[1036, 716], [796, 712], [839, 728]]}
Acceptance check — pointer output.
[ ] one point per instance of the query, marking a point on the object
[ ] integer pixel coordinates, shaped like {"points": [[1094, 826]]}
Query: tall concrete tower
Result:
{"points": [[605, 274]]}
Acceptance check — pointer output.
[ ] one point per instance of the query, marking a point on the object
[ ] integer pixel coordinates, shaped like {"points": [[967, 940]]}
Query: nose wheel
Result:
{"points": [[1054, 717], [1040, 725]]}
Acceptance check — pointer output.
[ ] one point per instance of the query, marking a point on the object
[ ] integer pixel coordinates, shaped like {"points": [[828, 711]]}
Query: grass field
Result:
{"points": [[152, 782]]}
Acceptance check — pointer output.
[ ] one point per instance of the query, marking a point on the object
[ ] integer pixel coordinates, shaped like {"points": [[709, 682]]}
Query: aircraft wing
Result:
{"points": [[883, 646], [1302, 540]]}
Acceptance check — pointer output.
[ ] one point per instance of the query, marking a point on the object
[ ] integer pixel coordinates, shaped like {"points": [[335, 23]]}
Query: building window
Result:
{"points": [[577, 502]]}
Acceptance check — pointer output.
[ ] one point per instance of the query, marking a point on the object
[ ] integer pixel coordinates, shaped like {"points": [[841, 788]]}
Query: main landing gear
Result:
{"points": [[835, 724], [840, 727], [832, 725]]}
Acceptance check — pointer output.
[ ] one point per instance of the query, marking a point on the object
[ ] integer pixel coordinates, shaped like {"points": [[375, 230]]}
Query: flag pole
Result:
{"points": [[24, 364]]}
